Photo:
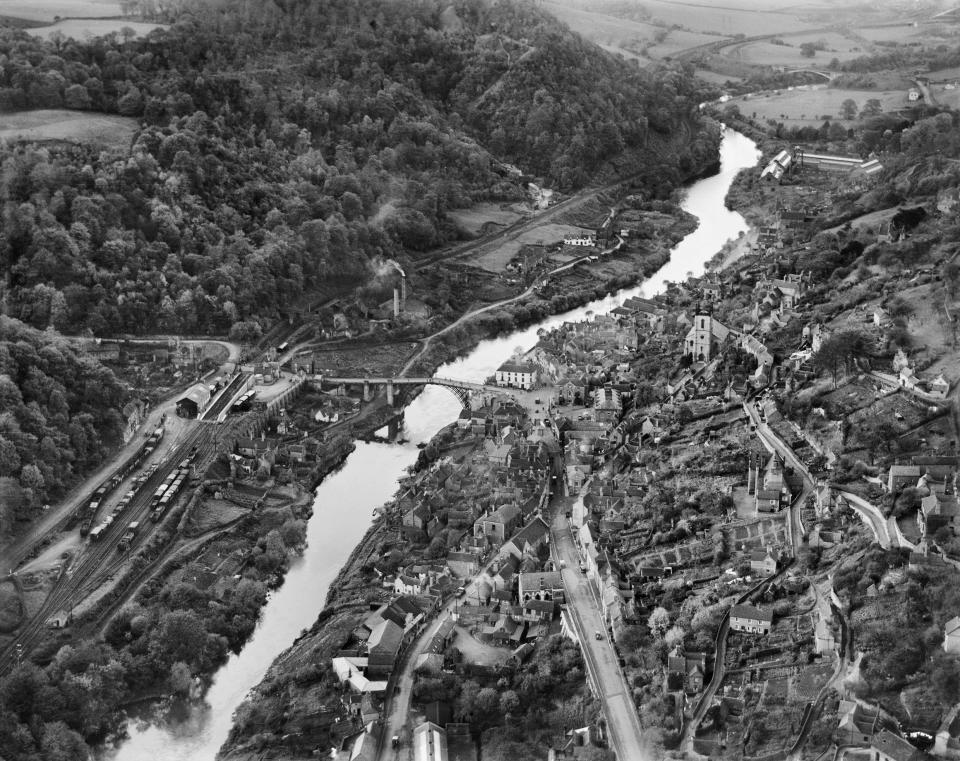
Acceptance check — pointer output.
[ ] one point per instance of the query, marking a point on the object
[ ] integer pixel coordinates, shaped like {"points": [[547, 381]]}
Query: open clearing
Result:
{"points": [[83, 29], [49, 10], [475, 219], [68, 126], [803, 107], [497, 257]]}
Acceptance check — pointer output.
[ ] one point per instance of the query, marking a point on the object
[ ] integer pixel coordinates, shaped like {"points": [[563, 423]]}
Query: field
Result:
{"points": [[70, 126], [801, 107], [483, 216], [902, 34], [495, 258], [769, 54], [944, 97], [763, 18], [716, 78], [82, 29], [626, 36], [49, 10]]}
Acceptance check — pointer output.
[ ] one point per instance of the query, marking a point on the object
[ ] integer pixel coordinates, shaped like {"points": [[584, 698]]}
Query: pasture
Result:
{"points": [[626, 36], [482, 217], [807, 107], [752, 18], [84, 29], [495, 256], [904, 33], [60, 125], [789, 54], [49, 10]]}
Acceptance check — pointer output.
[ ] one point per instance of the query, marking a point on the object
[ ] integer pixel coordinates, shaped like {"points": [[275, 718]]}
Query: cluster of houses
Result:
{"points": [[935, 478]]}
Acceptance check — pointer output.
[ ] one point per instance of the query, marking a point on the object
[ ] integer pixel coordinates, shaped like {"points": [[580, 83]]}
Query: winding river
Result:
{"points": [[346, 499]]}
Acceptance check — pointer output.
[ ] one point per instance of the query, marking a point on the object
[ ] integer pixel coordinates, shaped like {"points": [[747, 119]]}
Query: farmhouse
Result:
{"points": [[746, 618]]}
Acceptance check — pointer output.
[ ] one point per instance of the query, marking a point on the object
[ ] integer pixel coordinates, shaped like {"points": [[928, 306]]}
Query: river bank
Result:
{"points": [[372, 470]]}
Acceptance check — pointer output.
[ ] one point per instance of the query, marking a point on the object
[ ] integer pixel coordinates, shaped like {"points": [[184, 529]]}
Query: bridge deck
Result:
{"points": [[450, 382]]}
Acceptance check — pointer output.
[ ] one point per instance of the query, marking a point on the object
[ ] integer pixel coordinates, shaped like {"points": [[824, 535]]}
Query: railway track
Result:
{"points": [[97, 560], [210, 414]]}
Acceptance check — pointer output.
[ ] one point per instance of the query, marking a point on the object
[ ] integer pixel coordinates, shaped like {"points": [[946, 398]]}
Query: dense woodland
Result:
{"points": [[59, 414], [261, 179]]}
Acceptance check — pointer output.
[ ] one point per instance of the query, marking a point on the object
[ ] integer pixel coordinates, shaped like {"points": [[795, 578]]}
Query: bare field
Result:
{"points": [[69, 126], [83, 29], [496, 258], [48, 10], [476, 218], [799, 107]]}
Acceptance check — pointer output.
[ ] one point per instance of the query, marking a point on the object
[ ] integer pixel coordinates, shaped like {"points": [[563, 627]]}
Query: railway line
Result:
{"points": [[211, 413], [98, 559]]}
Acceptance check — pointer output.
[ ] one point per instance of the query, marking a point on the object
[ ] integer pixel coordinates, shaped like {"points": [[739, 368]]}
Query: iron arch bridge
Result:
{"points": [[460, 389]]}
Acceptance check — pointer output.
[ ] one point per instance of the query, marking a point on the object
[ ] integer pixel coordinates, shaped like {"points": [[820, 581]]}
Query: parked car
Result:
{"points": [[461, 591], [598, 635]]}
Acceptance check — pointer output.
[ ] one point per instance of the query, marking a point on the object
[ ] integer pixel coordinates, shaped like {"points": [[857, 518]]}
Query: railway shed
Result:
{"points": [[194, 402]]}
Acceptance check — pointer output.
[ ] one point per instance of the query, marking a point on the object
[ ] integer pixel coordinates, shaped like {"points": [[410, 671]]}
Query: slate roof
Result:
{"points": [[751, 613]]}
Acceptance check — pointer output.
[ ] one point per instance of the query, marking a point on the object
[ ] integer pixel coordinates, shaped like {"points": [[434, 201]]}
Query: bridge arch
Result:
{"points": [[460, 389]]}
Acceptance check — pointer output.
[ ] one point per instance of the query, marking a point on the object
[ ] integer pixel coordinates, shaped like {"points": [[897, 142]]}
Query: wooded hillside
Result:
{"points": [[59, 413], [285, 148]]}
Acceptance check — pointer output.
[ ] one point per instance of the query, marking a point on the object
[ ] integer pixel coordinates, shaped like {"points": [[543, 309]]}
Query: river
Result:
{"points": [[347, 498]]}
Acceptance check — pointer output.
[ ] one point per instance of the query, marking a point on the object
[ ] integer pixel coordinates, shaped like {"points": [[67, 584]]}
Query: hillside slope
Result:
{"points": [[287, 147]]}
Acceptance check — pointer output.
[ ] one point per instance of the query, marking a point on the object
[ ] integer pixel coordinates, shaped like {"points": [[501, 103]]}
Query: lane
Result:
{"points": [[773, 443], [623, 724]]}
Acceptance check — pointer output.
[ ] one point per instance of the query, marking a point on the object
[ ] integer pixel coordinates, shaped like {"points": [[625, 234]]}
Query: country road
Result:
{"points": [[623, 724], [467, 316]]}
